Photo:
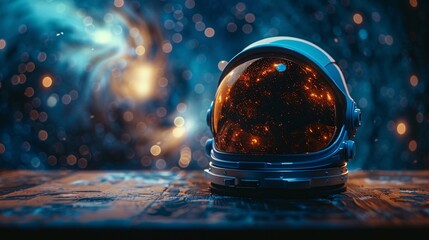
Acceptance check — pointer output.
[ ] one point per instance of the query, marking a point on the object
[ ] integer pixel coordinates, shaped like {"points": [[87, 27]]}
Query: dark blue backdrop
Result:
{"points": [[126, 84]]}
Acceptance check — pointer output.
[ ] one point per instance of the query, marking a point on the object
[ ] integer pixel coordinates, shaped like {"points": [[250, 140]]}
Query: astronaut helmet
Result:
{"points": [[282, 120]]}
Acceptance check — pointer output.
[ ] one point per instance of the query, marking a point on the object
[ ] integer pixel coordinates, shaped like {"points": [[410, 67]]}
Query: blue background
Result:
{"points": [[126, 85]]}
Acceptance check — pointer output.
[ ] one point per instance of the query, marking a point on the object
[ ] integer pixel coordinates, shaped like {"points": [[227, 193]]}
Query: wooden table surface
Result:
{"points": [[125, 202]]}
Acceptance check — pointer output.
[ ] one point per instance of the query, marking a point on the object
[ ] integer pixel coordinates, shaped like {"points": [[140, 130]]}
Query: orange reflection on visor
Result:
{"points": [[272, 105]]}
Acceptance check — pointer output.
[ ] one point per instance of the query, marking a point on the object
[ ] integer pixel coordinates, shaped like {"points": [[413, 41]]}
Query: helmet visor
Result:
{"points": [[275, 105]]}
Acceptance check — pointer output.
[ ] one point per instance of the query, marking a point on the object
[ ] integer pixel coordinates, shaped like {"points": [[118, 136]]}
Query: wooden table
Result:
{"points": [[114, 203]]}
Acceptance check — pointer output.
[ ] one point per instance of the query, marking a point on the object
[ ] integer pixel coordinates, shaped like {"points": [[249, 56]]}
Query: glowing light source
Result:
{"points": [[140, 50], [209, 32], [414, 3], [52, 100], [179, 121], [401, 128], [363, 34], [137, 82], [47, 81], [102, 36], [143, 84], [178, 132], [281, 67], [155, 150], [222, 64], [357, 18]]}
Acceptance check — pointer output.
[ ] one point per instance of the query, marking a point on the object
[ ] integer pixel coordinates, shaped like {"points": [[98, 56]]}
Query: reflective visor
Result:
{"points": [[273, 105]]}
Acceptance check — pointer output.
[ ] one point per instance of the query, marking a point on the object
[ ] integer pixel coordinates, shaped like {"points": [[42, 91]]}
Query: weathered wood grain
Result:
{"points": [[182, 200]]}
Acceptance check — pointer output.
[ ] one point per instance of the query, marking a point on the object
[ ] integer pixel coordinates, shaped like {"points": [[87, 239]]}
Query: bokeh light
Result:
{"points": [[401, 128], [43, 135], [155, 150], [413, 3], [414, 80], [357, 18], [47, 81]]}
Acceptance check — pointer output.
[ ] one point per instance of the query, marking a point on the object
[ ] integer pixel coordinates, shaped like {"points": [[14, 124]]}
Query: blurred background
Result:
{"points": [[125, 84]]}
